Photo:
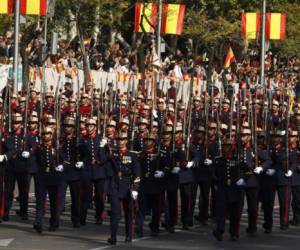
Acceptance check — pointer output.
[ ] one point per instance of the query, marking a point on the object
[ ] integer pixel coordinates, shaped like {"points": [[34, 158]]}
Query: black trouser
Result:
{"points": [[99, 197], [127, 204], [23, 188], [284, 194], [86, 195], [171, 209], [186, 203], [203, 202], [296, 203], [2, 184], [252, 204], [74, 187], [152, 201], [228, 209], [53, 192]]}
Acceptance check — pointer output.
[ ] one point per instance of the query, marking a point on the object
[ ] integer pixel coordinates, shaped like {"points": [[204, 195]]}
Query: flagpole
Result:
{"points": [[159, 38], [263, 43], [16, 45]]}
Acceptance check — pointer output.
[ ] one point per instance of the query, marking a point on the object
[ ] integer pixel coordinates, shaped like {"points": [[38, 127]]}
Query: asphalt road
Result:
{"points": [[19, 235]]}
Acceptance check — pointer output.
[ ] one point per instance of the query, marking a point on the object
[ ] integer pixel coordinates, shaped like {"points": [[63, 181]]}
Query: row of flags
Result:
{"points": [[146, 18], [275, 25], [27, 7]]}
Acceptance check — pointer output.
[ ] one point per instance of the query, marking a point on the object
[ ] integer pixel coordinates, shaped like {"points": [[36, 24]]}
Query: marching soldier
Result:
{"points": [[49, 180], [124, 188], [228, 195], [17, 156], [94, 155], [151, 187], [72, 169]]}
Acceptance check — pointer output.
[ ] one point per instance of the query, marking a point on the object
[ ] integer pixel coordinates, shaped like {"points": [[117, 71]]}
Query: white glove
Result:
{"points": [[159, 174], [134, 195], [154, 113], [190, 164], [103, 142], [289, 173], [207, 162], [59, 168], [2, 158], [241, 182], [175, 170], [270, 172], [79, 164], [258, 170], [25, 154]]}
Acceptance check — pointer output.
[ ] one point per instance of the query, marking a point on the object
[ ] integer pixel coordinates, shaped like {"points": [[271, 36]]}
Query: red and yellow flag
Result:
{"points": [[172, 19], [230, 58], [275, 26], [6, 6], [33, 7], [250, 25], [146, 15]]}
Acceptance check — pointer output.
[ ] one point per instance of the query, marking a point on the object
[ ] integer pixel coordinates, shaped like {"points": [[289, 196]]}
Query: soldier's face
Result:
{"points": [[199, 137], [47, 137], [17, 126], [49, 100], [276, 140], [211, 131], [196, 104], [275, 108], [69, 129], [179, 136], [160, 106], [33, 94], [245, 138], [225, 107], [91, 128], [32, 126], [292, 139], [122, 143], [142, 127]]}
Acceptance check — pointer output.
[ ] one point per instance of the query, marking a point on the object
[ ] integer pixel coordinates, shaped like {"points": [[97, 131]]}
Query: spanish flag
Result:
{"points": [[250, 25], [33, 7], [275, 26], [172, 19], [6, 6], [146, 16], [230, 58]]}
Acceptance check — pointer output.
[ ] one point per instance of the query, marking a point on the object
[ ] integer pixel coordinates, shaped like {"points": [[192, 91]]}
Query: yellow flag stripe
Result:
{"points": [[251, 25], [3, 6], [275, 26], [172, 18], [148, 15], [33, 7]]}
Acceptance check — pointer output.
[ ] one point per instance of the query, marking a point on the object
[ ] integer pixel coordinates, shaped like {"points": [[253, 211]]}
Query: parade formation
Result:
{"points": [[178, 138]]}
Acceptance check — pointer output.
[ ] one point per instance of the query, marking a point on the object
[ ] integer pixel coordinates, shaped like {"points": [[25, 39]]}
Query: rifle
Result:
{"points": [[188, 138], [206, 108], [26, 117], [174, 126], [238, 128], [287, 163]]}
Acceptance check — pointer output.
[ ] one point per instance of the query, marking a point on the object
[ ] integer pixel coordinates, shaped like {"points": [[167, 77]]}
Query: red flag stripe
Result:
{"points": [[258, 24], [243, 18], [153, 20], [10, 7], [180, 19], [23, 8], [268, 25], [164, 18], [282, 26], [43, 7], [137, 17]]}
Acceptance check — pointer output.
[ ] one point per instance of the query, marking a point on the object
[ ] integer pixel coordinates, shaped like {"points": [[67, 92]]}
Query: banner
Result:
{"points": [[250, 25], [146, 15], [33, 7], [275, 26]]}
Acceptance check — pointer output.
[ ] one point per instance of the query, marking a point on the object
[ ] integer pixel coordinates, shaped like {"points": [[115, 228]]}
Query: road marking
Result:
{"points": [[5, 242]]}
